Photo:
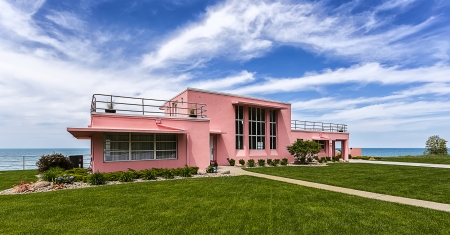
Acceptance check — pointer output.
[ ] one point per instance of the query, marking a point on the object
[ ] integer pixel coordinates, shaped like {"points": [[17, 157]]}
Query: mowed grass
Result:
{"points": [[432, 159], [431, 184], [10, 178], [227, 205]]}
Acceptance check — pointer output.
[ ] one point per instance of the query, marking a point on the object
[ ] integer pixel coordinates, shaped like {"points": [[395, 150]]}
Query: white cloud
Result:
{"points": [[241, 30], [225, 83], [366, 73]]}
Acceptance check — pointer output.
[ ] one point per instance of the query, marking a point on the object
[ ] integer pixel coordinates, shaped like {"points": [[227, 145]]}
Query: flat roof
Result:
{"points": [[227, 94]]}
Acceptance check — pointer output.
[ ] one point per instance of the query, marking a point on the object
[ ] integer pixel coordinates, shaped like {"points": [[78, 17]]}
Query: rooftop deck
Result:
{"points": [[143, 106], [318, 126]]}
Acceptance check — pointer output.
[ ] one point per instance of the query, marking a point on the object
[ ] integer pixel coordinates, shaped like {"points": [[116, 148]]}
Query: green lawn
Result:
{"points": [[431, 184], [9, 178], [433, 159], [231, 205]]}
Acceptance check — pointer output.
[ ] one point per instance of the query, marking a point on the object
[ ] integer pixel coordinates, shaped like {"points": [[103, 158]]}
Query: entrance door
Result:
{"points": [[211, 147]]}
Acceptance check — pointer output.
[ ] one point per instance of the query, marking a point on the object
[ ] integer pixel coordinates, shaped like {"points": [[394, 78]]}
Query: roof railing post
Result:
{"points": [[143, 111]]}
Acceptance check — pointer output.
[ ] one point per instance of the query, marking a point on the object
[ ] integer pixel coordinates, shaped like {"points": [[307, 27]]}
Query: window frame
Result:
{"points": [[130, 149], [273, 128], [239, 129], [256, 128]]}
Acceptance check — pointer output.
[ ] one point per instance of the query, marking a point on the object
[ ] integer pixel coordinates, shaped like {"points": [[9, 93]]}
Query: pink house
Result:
{"points": [[195, 127]]}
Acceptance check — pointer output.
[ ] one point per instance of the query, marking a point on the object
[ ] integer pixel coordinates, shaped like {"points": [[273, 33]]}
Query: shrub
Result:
{"points": [[316, 158], [269, 162], [127, 176], [349, 156], [149, 174], [210, 169], [185, 172], [284, 161], [193, 170], [52, 174], [64, 179], [53, 160], [310, 159], [96, 178], [304, 149], [214, 163], [168, 174], [112, 176], [251, 163], [328, 158], [276, 162], [242, 162], [231, 161], [261, 162]]}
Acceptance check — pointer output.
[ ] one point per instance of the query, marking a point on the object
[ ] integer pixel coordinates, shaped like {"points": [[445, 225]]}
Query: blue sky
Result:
{"points": [[382, 67]]}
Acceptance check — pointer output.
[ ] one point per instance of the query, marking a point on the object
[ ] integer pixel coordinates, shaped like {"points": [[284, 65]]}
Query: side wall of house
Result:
{"points": [[191, 147]]}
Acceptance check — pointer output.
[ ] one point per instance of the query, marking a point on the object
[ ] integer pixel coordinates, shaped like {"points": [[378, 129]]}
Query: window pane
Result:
{"points": [[116, 137], [253, 131], [263, 115], [263, 128], [141, 137], [236, 112], [236, 124], [166, 145], [241, 112], [166, 155], [116, 146], [241, 127], [116, 156], [142, 146], [142, 155], [162, 137]]}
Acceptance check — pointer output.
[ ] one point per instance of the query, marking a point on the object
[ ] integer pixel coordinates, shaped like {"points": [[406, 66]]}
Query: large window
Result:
{"points": [[139, 146], [239, 126], [257, 128], [273, 129]]}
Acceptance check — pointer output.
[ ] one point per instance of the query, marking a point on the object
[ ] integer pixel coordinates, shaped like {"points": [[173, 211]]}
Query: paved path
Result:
{"points": [[400, 163], [377, 196]]}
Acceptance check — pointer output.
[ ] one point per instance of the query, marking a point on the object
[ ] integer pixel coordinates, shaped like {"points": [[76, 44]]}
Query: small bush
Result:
{"points": [[53, 160], [65, 179], [149, 174], [112, 176], [328, 158], [349, 156], [242, 162], [251, 163], [168, 174], [210, 169], [127, 176], [276, 162], [185, 172], [214, 163], [231, 161], [316, 158], [310, 159], [194, 170], [52, 174], [261, 162], [269, 162], [96, 179], [284, 161]]}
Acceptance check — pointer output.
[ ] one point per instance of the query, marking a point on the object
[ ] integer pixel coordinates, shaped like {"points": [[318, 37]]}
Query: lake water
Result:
{"points": [[12, 159], [15, 159]]}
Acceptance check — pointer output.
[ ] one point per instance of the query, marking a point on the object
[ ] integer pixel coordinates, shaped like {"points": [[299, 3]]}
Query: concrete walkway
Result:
{"points": [[377, 196], [400, 163]]}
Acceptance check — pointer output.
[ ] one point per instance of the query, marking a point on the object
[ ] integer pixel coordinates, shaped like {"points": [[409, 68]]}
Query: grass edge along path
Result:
{"points": [[227, 205], [432, 159], [428, 184]]}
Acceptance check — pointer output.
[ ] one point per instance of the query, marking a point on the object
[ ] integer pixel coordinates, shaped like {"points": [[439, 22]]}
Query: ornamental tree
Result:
{"points": [[436, 146], [304, 149]]}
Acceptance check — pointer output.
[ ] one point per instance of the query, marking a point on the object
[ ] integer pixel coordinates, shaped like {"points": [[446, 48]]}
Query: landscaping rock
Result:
{"points": [[42, 184], [225, 172]]}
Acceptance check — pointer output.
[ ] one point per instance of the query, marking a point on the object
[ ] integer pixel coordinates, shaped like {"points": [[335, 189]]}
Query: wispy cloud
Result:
{"points": [[241, 30]]}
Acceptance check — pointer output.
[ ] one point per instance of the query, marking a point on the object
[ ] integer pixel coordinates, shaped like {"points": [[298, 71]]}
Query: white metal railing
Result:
{"points": [[318, 126], [143, 106], [28, 162]]}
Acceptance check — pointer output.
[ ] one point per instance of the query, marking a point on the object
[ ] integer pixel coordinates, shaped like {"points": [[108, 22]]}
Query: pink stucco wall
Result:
{"points": [[356, 152], [191, 148]]}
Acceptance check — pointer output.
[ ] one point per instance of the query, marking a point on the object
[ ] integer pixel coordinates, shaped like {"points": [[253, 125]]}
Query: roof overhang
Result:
{"points": [[217, 132], [273, 106], [86, 133]]}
